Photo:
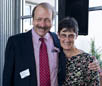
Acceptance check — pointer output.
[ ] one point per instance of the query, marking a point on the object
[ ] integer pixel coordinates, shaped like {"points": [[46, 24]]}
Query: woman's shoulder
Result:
{"points": [[87, 56]]}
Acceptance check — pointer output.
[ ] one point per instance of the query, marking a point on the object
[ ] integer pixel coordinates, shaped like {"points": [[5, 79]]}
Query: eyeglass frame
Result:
{"points": [[70, 36]]}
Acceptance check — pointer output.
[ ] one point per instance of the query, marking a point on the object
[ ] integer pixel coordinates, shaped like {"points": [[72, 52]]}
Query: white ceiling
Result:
{"points": [[52, 2]]}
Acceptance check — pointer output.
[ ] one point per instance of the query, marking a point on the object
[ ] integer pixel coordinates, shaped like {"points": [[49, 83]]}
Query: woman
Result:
{"points": [[73, 62]]}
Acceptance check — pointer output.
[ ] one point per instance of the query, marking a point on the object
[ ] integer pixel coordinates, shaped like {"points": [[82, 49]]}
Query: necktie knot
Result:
{"points": [[41, 39]]}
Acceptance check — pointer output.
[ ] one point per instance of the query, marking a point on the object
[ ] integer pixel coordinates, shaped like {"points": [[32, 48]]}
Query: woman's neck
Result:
{"points": [[72, 52]]}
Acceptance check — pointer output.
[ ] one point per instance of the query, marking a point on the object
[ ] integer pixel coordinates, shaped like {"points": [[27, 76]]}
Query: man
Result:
{"points": [[23, 66], [22, 52]]}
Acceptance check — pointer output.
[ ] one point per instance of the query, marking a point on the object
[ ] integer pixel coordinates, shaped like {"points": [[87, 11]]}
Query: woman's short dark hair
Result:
{"points": [[69, 23], [44, 5]]}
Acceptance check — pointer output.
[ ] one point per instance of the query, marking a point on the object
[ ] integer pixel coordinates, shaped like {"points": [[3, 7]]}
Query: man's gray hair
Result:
{"points": [[46, 6]]}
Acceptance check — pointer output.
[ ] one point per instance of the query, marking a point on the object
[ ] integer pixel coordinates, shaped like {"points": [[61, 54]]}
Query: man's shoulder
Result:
{"points": [[20, 36], [53, 34], [55, 39]]}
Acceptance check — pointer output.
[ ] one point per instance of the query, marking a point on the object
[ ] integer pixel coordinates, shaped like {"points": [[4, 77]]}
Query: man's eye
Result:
{"points": [[38, 19], [47, 20]]}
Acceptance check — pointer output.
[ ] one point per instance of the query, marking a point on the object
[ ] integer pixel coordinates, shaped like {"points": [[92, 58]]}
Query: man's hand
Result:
{"points": [[94, 65]]}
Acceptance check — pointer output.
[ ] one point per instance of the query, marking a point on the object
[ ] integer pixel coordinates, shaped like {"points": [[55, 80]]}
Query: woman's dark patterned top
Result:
{"points": [[78, 73]]}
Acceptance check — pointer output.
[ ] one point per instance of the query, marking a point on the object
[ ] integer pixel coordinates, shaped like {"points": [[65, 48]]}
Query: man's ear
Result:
{"points": [[32, 21]]}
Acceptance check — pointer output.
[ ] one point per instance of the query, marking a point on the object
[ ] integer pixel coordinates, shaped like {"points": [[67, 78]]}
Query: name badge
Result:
{"points": [[24, 73]]}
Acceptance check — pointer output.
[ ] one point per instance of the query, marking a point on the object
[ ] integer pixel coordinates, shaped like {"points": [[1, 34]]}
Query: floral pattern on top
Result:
{"points": [[78, 73]]}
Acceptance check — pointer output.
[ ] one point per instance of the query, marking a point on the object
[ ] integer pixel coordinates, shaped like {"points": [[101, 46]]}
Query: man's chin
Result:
{"points": [[41, 33]]}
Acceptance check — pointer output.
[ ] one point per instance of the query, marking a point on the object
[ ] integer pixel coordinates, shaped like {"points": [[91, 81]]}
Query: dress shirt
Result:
{"points": [[53, 57]]}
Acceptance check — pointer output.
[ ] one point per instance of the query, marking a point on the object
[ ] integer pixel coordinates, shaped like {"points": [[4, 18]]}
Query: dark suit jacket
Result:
{"points": [[61, 67], [19, 56]]}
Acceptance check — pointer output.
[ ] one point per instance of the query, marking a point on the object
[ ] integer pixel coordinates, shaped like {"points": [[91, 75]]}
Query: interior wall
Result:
{"points": [[9, 25]]}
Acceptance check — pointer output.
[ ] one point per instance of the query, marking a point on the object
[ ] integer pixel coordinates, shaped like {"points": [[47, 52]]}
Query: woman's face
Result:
{"points": [[67, 39]]}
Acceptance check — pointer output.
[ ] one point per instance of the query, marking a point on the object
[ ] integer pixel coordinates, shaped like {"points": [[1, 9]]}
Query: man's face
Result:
{"points": [[42, 21]]}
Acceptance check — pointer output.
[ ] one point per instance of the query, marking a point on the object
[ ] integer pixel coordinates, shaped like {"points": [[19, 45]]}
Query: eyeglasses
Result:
{"points": [[71, 36]]}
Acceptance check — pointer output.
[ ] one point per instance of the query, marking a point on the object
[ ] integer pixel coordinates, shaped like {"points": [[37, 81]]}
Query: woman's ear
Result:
{"points": [[76, 36], [58, 35]]}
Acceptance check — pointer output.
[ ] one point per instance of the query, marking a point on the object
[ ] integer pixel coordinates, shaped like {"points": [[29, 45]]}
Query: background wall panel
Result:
{"points": [[9, 25]]}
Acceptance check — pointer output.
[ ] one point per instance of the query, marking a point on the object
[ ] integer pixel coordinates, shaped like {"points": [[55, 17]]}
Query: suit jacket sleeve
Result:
{"points": [[8, 71]]}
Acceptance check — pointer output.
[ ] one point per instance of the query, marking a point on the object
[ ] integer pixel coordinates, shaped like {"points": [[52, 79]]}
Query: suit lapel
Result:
{"points": [[31, 59]]}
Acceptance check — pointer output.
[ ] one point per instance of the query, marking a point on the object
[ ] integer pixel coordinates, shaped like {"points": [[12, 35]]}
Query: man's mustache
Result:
{"points": [[44, 28]]}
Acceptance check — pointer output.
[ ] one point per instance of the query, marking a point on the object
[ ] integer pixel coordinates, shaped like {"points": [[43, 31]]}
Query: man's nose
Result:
{"points": [[42, 23]]}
